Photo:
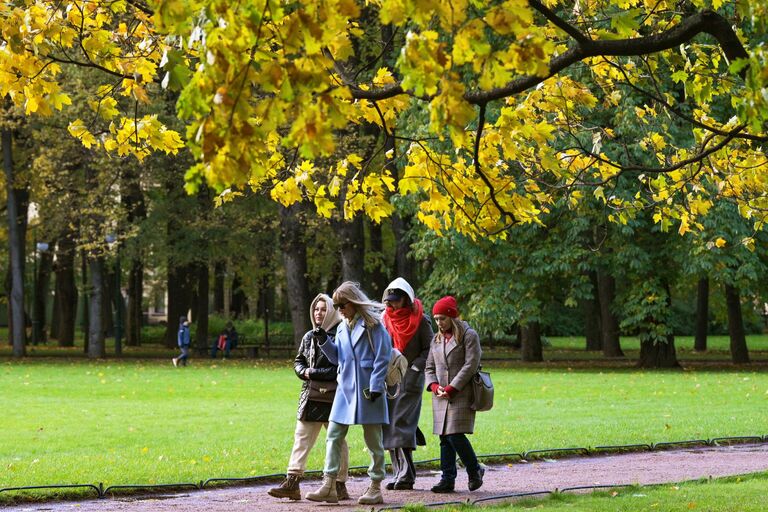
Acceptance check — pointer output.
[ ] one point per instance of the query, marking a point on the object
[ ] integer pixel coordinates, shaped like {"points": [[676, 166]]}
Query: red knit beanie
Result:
{"points": [[446, 306]]}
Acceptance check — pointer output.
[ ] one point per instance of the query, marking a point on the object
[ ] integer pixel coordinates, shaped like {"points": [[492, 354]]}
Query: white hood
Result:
{"points": [[400, 284]]}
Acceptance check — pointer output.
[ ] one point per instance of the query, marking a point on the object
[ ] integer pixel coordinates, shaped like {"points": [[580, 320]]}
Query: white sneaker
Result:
{"points": [[175, 362]]}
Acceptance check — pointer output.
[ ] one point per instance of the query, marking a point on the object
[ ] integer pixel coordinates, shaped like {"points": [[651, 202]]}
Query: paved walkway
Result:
{"points": [[633, 468]]}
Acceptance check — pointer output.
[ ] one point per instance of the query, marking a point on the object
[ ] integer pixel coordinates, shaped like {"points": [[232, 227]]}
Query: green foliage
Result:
{"points": [[504, 282]]}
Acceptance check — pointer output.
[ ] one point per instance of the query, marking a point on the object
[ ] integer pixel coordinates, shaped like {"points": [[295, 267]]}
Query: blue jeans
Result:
{"points": [[182, 359], [450, 446]]}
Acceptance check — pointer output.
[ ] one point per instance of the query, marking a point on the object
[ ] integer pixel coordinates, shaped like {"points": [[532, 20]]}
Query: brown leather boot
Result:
{"points": [[341, 491], [288, 488]]}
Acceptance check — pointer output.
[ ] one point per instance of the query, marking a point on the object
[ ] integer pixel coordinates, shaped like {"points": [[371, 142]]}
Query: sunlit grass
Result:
{"points": [[147, 422]]}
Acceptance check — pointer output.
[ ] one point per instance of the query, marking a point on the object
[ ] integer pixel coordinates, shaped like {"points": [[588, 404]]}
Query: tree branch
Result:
{"points": [[560, 23], [708, 22], [479, 171]]}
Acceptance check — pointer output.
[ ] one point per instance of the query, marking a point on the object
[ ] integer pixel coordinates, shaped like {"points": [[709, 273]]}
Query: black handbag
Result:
{"points": [[483, 388], [322, 390]]}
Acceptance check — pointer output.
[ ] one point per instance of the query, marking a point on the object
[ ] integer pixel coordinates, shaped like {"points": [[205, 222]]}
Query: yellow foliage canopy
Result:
{"points": [[501, 111]]}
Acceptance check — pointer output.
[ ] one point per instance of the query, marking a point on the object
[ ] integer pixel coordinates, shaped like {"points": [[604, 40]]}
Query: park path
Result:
{"points": [[631, 468]]}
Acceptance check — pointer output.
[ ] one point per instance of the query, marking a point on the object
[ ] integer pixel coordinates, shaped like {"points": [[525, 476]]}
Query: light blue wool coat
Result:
{"points": [[359, 368]]}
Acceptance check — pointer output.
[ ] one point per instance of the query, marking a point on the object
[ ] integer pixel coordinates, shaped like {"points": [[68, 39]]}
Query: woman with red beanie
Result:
{"points": [[411, 333], [453, 360]]}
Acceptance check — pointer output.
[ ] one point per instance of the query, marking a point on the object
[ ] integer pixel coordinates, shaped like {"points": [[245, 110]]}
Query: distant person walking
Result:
{"points": [[452, 362], [411, 334], [183, 340], [361, 348], [318, 389]]}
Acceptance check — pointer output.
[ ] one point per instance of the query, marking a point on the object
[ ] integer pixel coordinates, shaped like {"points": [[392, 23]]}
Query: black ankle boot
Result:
{"points": [[476, 479], [443, 486]]}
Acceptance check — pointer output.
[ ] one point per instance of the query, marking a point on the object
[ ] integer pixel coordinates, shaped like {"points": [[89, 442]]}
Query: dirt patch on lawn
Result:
{"points": [[544, 475]]}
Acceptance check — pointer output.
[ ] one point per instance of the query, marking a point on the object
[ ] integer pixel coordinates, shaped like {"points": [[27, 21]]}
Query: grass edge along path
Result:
{"points": [[536, 483], [738, 493]]}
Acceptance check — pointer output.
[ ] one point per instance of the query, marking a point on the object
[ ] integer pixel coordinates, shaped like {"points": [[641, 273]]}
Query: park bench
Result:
{"points": [[253, 348]]}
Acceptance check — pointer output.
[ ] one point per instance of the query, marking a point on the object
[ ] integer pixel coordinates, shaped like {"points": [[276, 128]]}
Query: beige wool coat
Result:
{"points": [[454, 363]]}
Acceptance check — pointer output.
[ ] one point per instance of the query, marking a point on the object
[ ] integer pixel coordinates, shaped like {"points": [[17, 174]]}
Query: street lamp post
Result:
{"points": [[39, 247]]}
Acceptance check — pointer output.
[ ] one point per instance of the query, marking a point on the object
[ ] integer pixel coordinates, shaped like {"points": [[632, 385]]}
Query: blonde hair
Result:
{"points": [[369, 309]]}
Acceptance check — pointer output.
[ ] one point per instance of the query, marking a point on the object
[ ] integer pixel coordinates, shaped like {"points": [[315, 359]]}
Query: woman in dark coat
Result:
{"points": [[311, 365], [411, 334], [451, 365]]}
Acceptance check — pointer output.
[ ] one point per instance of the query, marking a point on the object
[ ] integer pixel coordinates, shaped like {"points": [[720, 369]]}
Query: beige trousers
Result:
{"points": [[304, 439]]}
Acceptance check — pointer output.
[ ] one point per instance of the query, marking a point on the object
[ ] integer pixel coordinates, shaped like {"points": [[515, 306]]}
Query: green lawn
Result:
{"points": [[147, 422], [684, 344], [732, 494]]}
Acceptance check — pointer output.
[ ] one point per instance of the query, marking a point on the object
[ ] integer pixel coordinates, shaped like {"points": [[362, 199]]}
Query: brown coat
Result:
{"points": [[454, 363]]}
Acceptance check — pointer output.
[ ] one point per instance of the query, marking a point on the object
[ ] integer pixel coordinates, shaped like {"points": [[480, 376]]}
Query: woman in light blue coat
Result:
{"points": [[362, 349]]}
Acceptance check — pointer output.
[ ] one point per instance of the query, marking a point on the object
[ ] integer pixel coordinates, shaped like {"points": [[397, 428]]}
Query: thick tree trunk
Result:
{"points": [[295, 262], [53, 332], [86, 299], [404, 264], [41, 296], [96, 347], [17, 330], [219, 274], [136, 208], [180, 280], [108, 292], [702, 315], [134, 318], [655, 354], [264, 305], [606, 286], [530, 347], [239, 306], [739, 351], [352, 244], [66, 292], [118, 304], [376, 251], [201, 335], [591, 309]]}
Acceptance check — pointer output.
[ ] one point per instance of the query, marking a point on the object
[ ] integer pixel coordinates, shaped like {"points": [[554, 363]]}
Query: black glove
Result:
{"points": [[374, 395]]}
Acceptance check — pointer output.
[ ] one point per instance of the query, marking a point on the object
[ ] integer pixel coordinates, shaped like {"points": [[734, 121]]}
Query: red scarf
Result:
{"points": [[403, 323]]}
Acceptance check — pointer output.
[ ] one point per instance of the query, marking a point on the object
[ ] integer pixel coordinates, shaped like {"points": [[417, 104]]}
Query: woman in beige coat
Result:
{"points": [[453, 360]]}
